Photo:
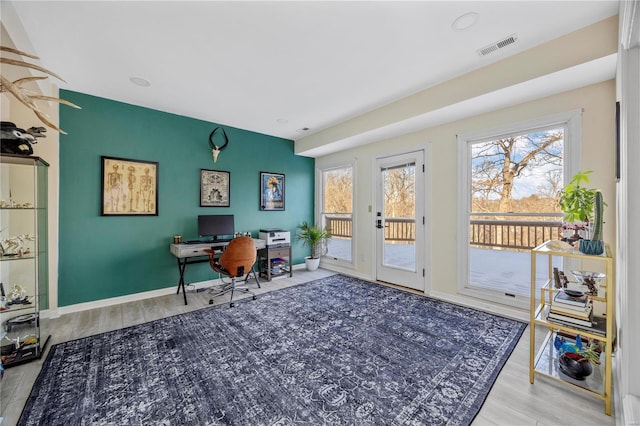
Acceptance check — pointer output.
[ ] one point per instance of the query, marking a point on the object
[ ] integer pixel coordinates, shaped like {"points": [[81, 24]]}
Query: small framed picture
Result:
{"points": [[129, 187], [214, 188], [271, 191]]}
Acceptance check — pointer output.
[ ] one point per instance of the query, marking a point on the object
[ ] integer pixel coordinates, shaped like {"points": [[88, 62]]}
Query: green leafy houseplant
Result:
{"points": [[575, 200], [581, 204], [315, 237]]}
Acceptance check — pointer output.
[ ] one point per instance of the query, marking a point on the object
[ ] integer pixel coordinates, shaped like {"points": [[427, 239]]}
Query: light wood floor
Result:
{"points": [[512, 401]]}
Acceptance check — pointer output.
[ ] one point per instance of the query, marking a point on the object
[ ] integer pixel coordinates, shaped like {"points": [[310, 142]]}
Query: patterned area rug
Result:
{"points": [[334, 351]]}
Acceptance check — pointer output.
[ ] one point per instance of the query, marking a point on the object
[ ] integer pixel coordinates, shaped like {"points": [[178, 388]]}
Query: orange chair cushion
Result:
{"points": [[241, 251]]}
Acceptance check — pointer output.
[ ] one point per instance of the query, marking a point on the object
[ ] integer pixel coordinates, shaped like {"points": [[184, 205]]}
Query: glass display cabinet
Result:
{"points": [[24, 276]]}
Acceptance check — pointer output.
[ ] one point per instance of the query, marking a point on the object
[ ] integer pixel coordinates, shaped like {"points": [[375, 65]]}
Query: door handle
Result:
{"points": [[379, 224]]}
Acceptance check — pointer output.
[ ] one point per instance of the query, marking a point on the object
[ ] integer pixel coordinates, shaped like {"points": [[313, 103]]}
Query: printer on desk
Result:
{"points": [[275, 237]]}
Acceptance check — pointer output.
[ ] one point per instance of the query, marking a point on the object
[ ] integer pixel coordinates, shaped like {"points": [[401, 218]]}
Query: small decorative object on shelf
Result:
{"points": [[560, 278], [579, 320], [575, 358], [595, 246], [17, 296], [574, 365], [14, 140], [589, 279], [14, 246]]}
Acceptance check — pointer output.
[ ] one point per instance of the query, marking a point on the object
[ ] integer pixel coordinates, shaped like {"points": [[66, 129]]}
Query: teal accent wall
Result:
{"points": [[109, 256]]}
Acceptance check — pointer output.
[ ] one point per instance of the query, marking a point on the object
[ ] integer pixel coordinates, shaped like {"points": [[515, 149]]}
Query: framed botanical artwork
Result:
{"points": [[214, 188], [271, 191], [129, 187]]}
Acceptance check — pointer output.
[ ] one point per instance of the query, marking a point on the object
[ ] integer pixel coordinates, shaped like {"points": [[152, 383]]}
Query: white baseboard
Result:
{"points": [[299, 266], [630, 410], [453, 298], [346, 271], [78, 307], [506, 311]]}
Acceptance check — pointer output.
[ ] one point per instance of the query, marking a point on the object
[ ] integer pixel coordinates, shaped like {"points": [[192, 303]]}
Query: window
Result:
{"points": [[509, 185], [337, 211]]}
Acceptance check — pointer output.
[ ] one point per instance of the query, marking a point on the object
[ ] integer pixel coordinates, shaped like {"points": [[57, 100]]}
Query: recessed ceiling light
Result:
{"points": [[282, 120], [139, 81], [466, 21]]}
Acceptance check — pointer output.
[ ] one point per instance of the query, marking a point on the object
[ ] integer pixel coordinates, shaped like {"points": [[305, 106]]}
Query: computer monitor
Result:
{"points": [[216, 226]]}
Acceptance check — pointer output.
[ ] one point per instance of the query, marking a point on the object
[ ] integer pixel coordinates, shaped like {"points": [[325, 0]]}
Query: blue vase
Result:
{"points": [[591, 247]]}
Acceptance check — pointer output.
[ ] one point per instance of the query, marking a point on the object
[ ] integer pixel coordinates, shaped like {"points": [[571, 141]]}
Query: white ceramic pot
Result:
{"points": [[312, 264]]}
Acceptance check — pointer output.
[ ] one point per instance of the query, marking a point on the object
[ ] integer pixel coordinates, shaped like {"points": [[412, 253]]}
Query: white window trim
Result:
{"points": [[319, 202], [571, 161]]}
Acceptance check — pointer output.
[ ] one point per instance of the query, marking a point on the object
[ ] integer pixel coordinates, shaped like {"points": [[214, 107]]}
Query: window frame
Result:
{"points": [[319, 210], [572, 122]]}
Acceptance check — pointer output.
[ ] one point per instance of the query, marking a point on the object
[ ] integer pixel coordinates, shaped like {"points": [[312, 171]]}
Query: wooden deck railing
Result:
{"points": [[503, 233], [340, 226], [397, 229], [513, 234]]}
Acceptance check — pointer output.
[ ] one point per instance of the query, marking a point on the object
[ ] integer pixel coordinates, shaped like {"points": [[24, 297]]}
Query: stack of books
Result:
{"points": [[575, 312]]}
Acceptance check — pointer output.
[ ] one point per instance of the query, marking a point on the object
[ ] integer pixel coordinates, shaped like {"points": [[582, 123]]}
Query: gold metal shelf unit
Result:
{"points": [[544, 360]]}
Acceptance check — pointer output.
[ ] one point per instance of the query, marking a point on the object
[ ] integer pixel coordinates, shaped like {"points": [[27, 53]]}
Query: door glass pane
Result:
{"points": [[514, 186], [338, 211], [398, 184]]}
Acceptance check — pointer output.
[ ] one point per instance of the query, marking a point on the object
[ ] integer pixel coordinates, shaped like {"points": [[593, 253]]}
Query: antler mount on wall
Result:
{"points": [[215, 149], [25, 96]]}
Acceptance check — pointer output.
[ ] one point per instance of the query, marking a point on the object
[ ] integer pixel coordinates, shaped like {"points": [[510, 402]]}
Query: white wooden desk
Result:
{"points": [[187, 254]]}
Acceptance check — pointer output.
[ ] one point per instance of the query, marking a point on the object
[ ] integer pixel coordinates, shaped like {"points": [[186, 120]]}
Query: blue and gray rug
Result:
{"points": [[336, 351]]}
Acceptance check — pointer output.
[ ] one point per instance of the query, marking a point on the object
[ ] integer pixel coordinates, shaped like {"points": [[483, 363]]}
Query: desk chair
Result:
{"points": [[235, 262]]}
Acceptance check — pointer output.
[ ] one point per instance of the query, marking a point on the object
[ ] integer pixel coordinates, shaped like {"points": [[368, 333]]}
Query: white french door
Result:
{"points": [[399, 220]]}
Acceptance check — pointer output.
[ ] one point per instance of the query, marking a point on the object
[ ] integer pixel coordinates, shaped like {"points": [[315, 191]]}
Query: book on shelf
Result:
{"points": [[563, 298], [571, 320], [571, 311], [598, 325]]}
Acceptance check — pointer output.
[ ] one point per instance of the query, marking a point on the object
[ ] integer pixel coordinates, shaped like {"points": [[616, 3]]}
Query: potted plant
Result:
{"points": [[580, 204], [316, 238]]}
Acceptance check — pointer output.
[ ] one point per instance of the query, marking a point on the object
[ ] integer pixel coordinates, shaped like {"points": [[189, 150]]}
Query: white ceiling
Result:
{"points": [[277, 67]]}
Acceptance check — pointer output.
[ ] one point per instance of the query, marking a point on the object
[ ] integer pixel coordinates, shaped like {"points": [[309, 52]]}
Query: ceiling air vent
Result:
{"points": [[493, 47]]}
